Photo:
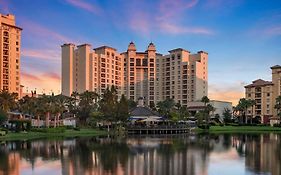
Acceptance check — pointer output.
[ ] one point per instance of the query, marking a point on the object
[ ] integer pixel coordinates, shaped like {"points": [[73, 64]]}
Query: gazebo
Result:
{"points": [[142, 113]]}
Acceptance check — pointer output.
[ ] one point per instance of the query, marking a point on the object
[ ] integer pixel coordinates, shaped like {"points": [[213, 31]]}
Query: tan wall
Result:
{"points": [[10, 54], [140, 74]]}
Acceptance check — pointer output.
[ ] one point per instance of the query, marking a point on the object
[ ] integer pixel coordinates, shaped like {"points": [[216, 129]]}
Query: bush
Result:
{"points": [[21, 125], [3, 117], [276, 125], [76, 129], [204, 126], [69, 127], [49, 130]]}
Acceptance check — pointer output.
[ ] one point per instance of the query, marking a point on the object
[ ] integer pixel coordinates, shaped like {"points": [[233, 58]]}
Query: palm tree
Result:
{"points": [[207, 108], [46, 104], [278, 106], [243, 105], [58, 107], [252, 103], [7, 101]]}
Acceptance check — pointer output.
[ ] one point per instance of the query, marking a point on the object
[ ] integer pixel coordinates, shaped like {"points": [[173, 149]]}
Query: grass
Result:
{"points": [[241, 129], [37, 135]]}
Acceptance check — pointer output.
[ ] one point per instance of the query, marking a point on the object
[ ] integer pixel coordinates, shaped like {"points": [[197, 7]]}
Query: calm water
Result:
{"points": [[166, 155]]}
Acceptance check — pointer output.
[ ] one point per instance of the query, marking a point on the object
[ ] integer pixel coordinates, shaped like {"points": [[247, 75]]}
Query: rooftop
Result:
{"points": [[178, 49], [259, 82], [275, 67], [105, 47]]}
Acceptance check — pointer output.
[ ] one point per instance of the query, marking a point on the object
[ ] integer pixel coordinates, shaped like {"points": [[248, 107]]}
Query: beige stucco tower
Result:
{"points": [[10, 41]]}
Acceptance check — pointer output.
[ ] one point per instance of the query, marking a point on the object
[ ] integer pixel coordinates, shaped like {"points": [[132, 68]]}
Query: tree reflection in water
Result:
{"points": [[181, 155]]}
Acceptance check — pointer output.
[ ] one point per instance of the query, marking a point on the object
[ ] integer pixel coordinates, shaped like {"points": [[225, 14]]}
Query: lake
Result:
{"points": [[225, 154]]}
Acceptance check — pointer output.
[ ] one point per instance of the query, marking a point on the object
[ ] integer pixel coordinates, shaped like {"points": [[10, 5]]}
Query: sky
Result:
{"points": [[242, 37]]}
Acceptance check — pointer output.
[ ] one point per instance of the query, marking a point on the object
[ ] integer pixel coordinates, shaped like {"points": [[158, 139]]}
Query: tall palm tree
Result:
{"points": [[58, 107], [278, 106], [252, 103], [207, 108], [46, 104], [243, 105], [7, 101]]}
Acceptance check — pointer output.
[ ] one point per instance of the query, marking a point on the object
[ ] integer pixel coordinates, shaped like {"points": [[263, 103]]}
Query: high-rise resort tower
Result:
{"points": [[154, 77], [10, 40]]}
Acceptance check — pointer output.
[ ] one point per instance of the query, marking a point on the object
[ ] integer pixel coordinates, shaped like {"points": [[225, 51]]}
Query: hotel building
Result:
{"points": [[264, 93], [10, 40], [178, 75]]}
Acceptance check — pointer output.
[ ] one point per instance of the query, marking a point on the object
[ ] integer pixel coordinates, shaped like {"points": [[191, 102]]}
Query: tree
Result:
{"points": [[242, 106], [252, 103], [165, 107], [108, 104], [132, 104], [183, 112], [58, 107], [7, 101], [226, 115], [122, 109], [3, 117], [88, 103], [278, 106], [207, 109]]}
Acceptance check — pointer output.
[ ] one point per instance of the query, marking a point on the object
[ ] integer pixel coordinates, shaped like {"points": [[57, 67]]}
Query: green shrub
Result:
{"points": [[76, 129], [21, 125], [49, 130]]}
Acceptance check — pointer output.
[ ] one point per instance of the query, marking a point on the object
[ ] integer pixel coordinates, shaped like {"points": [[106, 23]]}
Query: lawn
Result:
{"points": [[241, 129], [37, 135]]}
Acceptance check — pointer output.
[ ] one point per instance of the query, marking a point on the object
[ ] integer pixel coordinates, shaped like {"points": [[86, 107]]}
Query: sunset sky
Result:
{"points": [[242, 37]]}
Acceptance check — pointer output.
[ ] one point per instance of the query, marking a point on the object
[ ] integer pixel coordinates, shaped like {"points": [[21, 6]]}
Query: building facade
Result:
{"points": [[10, 41], [154, 77], [264, 93]]}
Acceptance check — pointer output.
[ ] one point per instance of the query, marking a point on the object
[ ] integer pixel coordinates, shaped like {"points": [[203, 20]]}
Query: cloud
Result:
{"points": [[230, 93], [85, 6], [42, 81], [174, 29], [165, 17], [273, 31], [41, 54]]}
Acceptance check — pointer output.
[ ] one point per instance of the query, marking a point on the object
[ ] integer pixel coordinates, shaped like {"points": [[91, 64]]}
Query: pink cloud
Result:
{"points": [[41, 54], [171, 8], [85, 6], [273, 31], [42, 81], [174, 29], [166, 18], [39, 30]]}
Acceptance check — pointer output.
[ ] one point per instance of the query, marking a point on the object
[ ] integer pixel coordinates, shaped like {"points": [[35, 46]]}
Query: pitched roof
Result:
{"points": [[259, 82], [143, 111]]}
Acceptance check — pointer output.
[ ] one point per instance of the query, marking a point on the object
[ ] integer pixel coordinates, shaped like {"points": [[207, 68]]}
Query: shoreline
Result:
{"points": [[11, 136], [239, 129]]}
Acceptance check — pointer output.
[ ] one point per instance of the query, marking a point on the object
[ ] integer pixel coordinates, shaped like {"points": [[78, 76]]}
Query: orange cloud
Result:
{"points": [[44, 82], [231, 94], [85, 6]]}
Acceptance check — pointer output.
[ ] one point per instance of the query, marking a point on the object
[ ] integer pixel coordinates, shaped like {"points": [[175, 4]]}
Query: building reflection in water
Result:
{"points": [[181, 155]]}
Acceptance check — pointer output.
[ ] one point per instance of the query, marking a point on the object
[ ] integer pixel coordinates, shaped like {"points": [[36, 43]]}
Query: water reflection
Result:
{"points": [[181, 155]]}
